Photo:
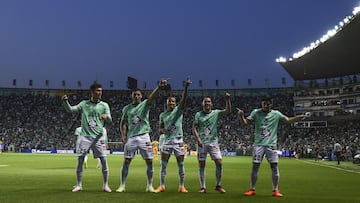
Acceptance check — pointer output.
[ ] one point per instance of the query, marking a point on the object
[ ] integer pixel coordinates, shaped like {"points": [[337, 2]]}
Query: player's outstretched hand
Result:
{"points": [[227, 95], [163, 83], [240, 112], [188, 81], [64, 97]]}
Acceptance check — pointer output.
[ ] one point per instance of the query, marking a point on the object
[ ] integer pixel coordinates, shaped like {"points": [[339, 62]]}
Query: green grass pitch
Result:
{"points": [[50, 178]]}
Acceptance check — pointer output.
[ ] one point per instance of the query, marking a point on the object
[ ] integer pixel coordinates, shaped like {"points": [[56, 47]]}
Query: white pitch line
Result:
{"points": [[3, 165], [334, 167]]}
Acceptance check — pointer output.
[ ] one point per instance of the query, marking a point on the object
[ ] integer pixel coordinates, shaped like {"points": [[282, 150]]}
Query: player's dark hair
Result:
{"points": [[207, 96], [267, 98], [135, 90], [94, 86]]}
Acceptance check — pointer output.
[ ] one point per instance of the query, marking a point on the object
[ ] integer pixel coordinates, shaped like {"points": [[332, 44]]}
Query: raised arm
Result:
{"points": [[243, 120], [228, 104], [155, 92], [296, 118], [184, 94], [67, 105]]}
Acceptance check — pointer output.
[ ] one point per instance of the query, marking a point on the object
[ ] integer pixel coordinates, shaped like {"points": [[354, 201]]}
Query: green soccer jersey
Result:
{"points": [[207, 125], [172, 122], [91, 122], [266, 125], [137, 117]]}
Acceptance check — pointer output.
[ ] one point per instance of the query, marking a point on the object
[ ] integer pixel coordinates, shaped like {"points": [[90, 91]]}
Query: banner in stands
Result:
{"points": [[54, 151], [59, 151]]}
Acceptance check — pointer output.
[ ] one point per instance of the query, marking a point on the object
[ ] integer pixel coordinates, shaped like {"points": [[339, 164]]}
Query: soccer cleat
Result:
{"points": [[276, 193], [250, 192], [150, 189], [202, 190], [182, 189], [106, 188], [121, 189], [160, 189], [76, 189], [220, 189]]}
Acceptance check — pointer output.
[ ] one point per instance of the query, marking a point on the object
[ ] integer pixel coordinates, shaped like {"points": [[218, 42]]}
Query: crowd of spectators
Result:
{"points": [[39, 121]]}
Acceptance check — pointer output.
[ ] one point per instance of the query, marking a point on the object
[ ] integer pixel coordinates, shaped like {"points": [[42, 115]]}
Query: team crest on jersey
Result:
{"points": [[172, 128], [265, 133], [92, 124], [136, 120], [207, 133]]}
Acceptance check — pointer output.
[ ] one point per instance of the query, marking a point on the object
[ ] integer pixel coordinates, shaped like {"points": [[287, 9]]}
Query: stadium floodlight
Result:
{"points": [[323, 39], [356, 10], [281, 59]]}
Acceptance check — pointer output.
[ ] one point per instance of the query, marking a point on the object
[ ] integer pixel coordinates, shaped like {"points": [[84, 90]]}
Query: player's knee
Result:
{"points": [[180, 164], [102, 159], [256, 165], [202, 164], [273, 165], [149, 161], [218, 162], [127, 161], [81, 158]]}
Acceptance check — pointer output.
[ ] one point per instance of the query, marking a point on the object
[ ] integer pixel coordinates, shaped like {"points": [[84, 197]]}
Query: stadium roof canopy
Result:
{"points": [[337, 56]]}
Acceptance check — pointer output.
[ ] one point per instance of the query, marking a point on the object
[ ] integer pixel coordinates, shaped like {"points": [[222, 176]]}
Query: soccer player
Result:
{"points": [[155, 146], [205, 131], [135, 129], [94, 114], [171, 127], [266, 122]]}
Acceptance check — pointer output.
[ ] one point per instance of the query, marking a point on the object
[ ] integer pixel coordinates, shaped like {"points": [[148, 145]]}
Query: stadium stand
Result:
{"points": [[37, 120]]}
